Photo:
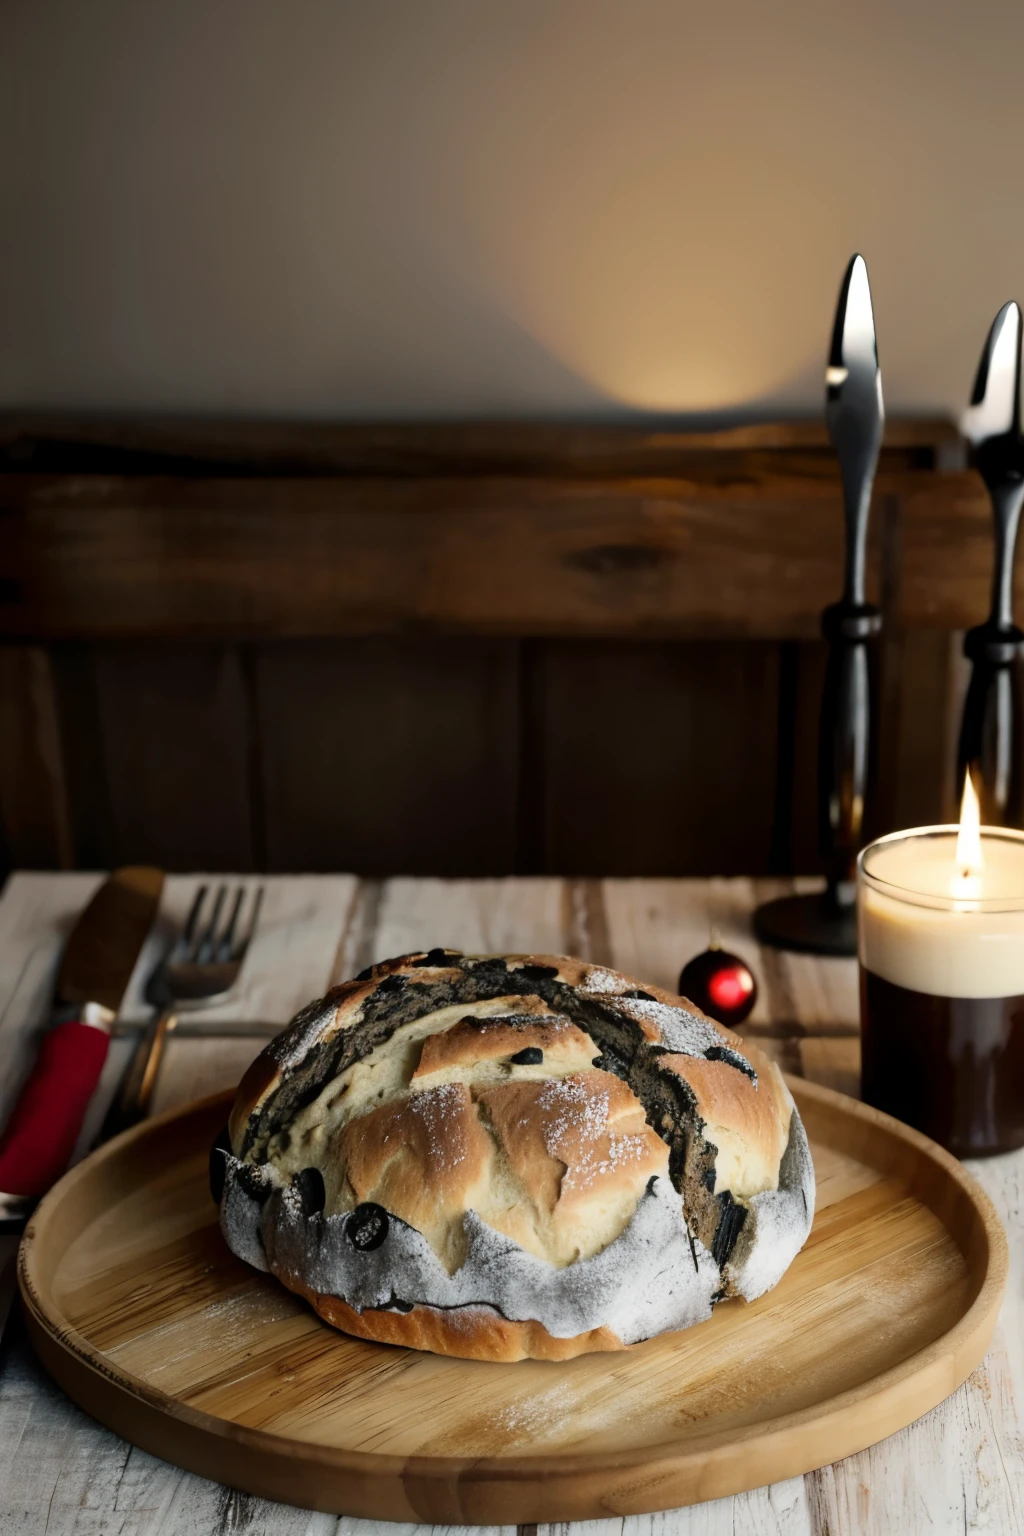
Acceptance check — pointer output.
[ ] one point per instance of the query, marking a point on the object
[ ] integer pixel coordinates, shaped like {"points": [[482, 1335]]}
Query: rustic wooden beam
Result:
{"points": [[154, 445], [740, 554]]}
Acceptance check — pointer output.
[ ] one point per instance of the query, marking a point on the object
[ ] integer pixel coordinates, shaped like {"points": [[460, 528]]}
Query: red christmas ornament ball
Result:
{"points": [[722, 985]]}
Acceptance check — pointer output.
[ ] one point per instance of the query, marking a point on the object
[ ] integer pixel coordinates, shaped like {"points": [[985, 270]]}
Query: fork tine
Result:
{"points": [[193, 918], [246, 939], [227, 937], [202, 949]]}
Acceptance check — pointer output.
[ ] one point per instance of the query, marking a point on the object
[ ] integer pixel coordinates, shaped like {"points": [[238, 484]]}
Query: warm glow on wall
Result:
{"points": [[531, 210]]}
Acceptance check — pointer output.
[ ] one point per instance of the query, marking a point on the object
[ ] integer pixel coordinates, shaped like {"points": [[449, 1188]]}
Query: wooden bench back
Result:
{"points": [[458, 649]]}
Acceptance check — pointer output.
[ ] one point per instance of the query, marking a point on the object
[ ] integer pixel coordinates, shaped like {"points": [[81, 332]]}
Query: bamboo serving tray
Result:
{"points": [[139, 1311]]}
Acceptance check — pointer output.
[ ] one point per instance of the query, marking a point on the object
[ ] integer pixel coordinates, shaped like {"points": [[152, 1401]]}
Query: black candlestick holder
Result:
{"points": [[825, 923], [990, 745]]}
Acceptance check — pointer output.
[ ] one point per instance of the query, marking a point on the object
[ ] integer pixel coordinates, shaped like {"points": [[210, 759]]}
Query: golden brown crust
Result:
{"points": [[575, 1139], [750, 1126], [726, 1098], [420, 1158], [474, 1040], [768, 1073], [470, 1333]]}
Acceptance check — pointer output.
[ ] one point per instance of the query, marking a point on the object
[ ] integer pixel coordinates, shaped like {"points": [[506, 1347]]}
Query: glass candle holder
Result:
{"points": [[941, 952]]}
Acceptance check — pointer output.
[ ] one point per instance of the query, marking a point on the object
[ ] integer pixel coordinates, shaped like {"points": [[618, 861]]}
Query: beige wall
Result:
{"points": [[460, 207]]}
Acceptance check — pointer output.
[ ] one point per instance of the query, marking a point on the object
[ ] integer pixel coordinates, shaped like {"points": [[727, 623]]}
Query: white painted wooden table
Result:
{"points": [[959, 1469]]}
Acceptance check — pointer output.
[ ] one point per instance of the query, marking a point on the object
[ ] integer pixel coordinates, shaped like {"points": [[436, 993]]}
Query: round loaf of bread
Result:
{"points": [[510, 1157]]}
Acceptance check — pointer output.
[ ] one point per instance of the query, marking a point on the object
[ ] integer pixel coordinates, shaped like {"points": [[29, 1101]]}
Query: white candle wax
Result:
{"points": [[928, 925]]}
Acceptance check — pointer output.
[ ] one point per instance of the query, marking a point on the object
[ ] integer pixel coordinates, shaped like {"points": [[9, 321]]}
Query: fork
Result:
{"points": [[199, 969]]}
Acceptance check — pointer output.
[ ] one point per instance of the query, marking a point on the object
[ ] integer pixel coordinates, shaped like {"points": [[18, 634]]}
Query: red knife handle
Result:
{"points": [[40, 1136]]}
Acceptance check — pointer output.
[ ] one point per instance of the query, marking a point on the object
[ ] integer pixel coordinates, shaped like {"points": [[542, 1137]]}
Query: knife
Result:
{"points": [[989, 744], [39, 1139]]}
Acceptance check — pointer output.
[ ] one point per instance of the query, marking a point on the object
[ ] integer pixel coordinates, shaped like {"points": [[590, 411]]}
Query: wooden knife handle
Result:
{"points": [[44, 1125]]}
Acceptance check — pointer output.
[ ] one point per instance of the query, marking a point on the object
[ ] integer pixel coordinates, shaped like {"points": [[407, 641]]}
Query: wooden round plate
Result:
{"points": [[139, 1311]]}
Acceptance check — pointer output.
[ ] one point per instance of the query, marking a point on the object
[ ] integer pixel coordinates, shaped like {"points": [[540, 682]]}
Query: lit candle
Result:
{"points": [[967, 882], [941, 944]]}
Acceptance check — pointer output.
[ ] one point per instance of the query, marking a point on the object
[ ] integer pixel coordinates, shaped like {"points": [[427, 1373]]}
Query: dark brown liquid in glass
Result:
{"points": [[953, 1067]]}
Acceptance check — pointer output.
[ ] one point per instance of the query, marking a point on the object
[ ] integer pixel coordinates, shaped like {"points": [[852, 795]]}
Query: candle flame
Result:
{"points": [[969, 860]]}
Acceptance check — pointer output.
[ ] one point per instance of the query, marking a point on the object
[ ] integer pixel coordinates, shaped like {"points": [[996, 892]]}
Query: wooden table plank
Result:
{"points": [[479, 916], [656, 926], [62, 1474], [780, 1510]]}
